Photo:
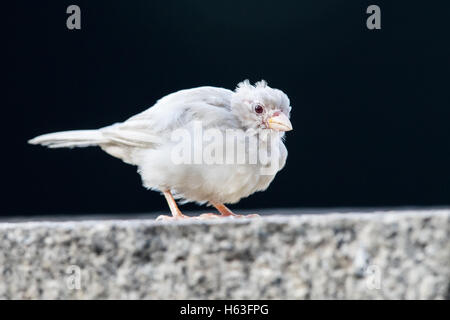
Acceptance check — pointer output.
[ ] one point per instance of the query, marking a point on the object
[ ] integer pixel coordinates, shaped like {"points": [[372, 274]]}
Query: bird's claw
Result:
{"points": [[253, 215], [172, 218], [205, 216], [233, 216], [208, 216]]}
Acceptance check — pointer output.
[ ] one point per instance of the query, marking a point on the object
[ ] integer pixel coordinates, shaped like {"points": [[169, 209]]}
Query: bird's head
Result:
{"points": [[261, 107]]}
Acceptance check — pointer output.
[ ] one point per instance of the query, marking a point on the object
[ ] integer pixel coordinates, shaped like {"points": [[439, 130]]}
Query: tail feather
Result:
{"points": [[70, 139]]}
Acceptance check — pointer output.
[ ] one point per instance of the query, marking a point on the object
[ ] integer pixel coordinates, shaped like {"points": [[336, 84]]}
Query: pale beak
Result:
{"points": [[280, 122]]}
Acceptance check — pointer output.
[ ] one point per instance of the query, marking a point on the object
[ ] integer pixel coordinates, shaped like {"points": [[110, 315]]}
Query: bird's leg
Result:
{"points": [[225, 212], [176, 212]]}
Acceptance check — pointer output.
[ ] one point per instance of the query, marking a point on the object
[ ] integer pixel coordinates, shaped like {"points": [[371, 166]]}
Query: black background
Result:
{"points": [[371, 109]]}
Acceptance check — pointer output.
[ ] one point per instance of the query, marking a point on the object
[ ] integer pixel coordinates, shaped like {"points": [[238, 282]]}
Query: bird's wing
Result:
{"points": [[209, 105]]}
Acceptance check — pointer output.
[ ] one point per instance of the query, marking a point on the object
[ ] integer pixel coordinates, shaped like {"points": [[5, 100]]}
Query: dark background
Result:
{"points": [[371, 109]]}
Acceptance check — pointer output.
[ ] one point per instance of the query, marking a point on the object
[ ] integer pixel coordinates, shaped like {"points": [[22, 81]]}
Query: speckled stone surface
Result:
{"points": [[388, 255]]}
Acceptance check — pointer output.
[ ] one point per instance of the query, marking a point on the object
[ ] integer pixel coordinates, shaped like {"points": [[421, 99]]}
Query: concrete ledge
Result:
{"points": [[389, 255]]}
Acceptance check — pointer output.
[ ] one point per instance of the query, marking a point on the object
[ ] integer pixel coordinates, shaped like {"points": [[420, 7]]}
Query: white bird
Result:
{"points": [[147, 141]]}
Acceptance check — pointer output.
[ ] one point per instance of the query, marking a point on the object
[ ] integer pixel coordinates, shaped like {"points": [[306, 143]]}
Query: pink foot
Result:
{"points": [[172, 218], [214, 216]]}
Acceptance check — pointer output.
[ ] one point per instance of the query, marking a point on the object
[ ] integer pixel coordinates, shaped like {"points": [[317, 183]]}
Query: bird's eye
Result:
{"points": [[259, 108]]}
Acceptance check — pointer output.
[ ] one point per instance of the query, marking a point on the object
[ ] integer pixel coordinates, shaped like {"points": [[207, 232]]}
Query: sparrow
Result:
{"points": [[164, 143]]}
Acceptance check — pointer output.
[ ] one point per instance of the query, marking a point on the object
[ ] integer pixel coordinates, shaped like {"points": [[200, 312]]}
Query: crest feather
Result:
{"points": [[261, 84], [247, 85]]}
